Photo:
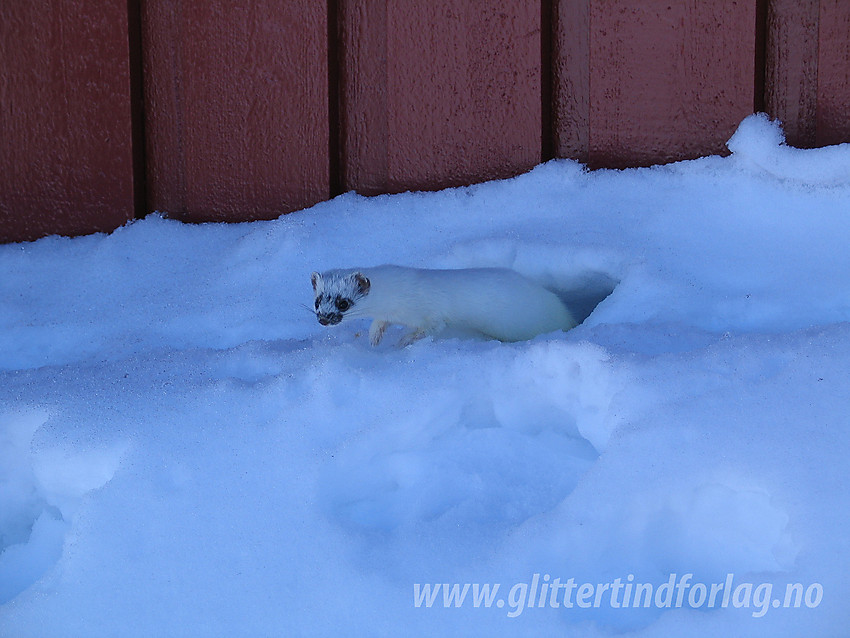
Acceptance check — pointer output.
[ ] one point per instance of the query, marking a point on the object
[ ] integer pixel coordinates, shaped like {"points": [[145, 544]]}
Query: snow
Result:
{"points": [[185, 451]]}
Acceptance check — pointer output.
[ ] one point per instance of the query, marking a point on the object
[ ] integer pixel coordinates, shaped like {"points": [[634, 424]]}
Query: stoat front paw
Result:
{"points": [[411, 337], [376, 331]]}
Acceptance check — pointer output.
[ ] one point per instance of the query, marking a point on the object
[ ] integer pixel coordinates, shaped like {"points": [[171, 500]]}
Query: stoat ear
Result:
{"points": [[363, 283], [316, 278]]}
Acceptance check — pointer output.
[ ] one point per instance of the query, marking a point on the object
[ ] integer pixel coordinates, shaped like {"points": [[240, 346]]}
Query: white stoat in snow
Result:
{"points": [[494, 302]]}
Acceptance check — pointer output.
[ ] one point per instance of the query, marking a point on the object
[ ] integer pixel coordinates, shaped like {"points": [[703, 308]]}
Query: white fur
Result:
{"points": [[494, 302]]}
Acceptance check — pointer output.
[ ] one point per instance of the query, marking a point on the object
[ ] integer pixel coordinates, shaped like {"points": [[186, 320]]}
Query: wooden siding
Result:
{"points": [[651, 82], [66, 163], [236, 107], [237, 111], [438, 93]]}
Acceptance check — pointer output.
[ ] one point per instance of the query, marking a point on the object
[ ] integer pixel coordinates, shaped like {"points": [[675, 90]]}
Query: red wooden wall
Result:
{"points": [[652, 81], [66, 162], [236, 116], [235, 111], [808, 70], [438, 93]]}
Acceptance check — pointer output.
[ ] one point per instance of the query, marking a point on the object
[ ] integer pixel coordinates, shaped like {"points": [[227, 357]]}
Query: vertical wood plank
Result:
{"points": [[571, 92], [236, 107], [791, 73], [833, 73], [656, 81], [439, 93], [363, 96], [66, 162], [669, 81]]}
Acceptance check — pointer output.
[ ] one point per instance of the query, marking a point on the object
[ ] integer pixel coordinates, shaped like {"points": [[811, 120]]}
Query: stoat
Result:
{"points": [[494, 302]]}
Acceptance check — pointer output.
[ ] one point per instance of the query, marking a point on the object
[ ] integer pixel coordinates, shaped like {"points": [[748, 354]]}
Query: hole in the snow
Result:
{"points": [[582, 294]]}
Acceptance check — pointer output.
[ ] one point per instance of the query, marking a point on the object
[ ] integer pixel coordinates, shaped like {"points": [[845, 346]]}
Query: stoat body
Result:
{"points": [[494, 302]]}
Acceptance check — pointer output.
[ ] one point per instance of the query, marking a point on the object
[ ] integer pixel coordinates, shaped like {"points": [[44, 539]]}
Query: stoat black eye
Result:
{"points": [[317, 303], [343, 304]]}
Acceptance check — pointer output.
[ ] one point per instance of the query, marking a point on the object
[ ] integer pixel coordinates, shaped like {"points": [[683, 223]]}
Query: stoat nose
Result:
{"points": [[329, 320]]}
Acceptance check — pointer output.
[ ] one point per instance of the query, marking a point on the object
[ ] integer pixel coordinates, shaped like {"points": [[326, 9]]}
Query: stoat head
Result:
{"points": [[338, 294]]}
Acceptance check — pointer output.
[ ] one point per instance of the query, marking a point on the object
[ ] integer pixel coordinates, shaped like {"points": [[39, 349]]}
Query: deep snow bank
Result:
{"points": [[185, 451]]}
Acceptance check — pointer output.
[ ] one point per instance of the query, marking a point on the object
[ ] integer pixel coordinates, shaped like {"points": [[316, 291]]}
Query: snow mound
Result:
{"points": [[185, 451], [760, 142]]}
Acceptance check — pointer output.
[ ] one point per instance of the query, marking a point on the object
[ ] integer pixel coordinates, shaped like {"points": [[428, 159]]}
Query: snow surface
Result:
{"points": [[184, 451]]}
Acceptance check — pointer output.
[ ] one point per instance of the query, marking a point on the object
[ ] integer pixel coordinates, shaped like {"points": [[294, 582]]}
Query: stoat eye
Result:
{"points": [[317, 303], [343, 305]]}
